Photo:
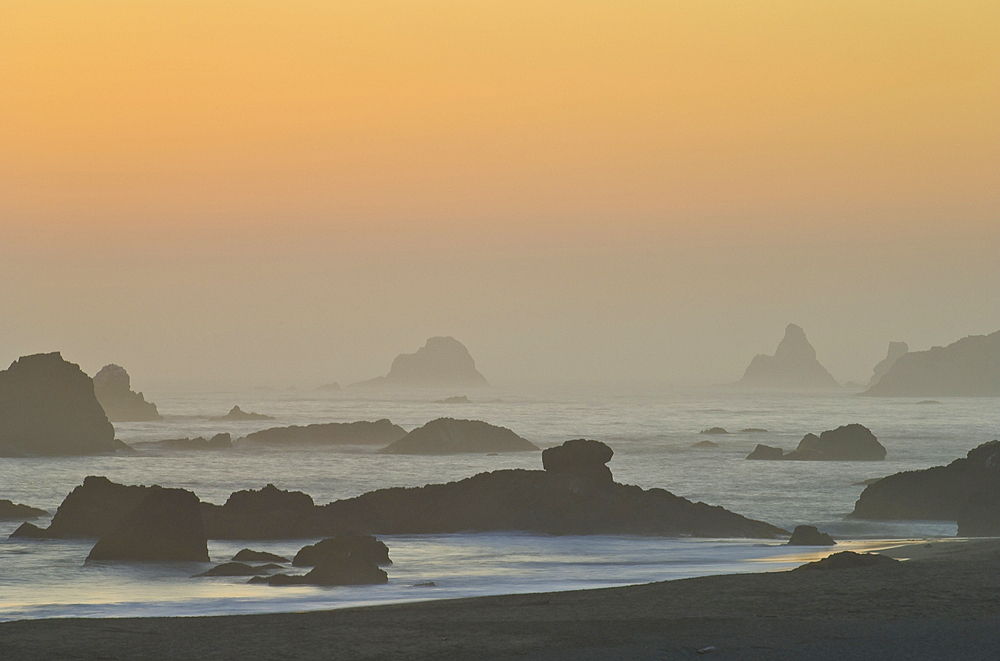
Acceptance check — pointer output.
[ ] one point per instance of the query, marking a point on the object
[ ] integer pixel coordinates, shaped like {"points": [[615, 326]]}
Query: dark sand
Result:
{"points": [[942, 604]]}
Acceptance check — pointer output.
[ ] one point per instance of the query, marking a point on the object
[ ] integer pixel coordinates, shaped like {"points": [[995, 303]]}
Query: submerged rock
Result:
{"points": [[48, 407], [810, 536], [342, 546], [451, 436], [443, 362], [166, 526], [582, 458], [10, 511], [969, 367], [792, 366], [380, 432], [236, 413], [705, 445], [113, 389], [849, 560]]}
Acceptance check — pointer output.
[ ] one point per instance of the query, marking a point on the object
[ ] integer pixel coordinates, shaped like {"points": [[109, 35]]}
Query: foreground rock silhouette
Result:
{"points": [[166, 526], [810, 536], [380, 432], [852, 442], [848, 560], [792, 366], [967, 491], [443, 362], [48, 407], [113, 389], [969, 367], [451, 436]]}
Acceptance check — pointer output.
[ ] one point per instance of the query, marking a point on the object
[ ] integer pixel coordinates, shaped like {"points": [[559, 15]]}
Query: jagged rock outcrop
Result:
{"points": [[48, 407], [451, 436], [166, 526], [11, 511], [580, 457], [849, 560], [268, 513], [236, 413], [380, 432], [810, 536], [343, 545], [852, 442], [792, 366], [222, 441], [443, 362], [896, 351], [965, 489], [113, 389], [967, 368]]}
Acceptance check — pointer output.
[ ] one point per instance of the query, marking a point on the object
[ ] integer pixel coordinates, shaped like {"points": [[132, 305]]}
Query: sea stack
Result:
{"points": [[967, 368], [896, 351], [443, 362], [113, 388], [792, 366], [48, 407]]}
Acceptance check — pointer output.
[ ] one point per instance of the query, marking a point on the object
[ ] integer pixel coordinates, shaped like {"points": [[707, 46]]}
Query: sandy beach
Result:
{"points": [[943, 602]]}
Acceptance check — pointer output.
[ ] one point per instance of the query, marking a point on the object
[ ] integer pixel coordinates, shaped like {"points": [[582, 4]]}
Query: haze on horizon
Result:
{"points": [[605, 192]]}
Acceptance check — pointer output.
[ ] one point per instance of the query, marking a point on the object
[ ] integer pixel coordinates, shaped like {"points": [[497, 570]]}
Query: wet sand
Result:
{"points": [[942, 603]]}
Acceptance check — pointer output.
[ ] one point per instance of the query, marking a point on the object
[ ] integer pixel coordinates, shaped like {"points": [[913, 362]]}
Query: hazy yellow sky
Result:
{"points": [[624, 180]]}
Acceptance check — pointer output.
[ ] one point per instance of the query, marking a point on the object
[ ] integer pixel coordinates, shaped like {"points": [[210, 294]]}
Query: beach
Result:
{"points": [[942, 602]]}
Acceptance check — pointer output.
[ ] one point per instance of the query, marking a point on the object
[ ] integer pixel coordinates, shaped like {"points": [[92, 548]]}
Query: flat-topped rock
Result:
{"points": [[792, 366], [766, 453], [48, 408], [166, 526], [380, 432], [451, 436], [113, 388], [443, 362], [969, 367]]}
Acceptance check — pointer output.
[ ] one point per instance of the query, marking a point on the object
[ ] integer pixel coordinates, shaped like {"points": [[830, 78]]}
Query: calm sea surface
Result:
{"points": [[651, 434]]}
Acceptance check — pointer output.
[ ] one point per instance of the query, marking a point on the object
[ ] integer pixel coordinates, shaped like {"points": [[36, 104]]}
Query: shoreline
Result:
{"points": [[943, 601]]}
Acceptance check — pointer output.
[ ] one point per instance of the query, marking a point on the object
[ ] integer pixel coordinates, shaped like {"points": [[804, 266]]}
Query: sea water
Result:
{"points": [[651, 434]]}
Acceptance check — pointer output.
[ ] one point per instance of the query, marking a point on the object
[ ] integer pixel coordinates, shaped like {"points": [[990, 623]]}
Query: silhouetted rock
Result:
{"points": [[380, 432], [766, 452], [705, 445], [166, 526], [896, 351], [450, 436], [330, 387], [247, 555], [269, 513], [792, 366], [941, 493], [580, 457], [222, 441], [443, 362], [10, 511], [810, 536], [29, 530], [90, 510], [350, 569], [713, 430], [849, 560], [459, 399], [967, 368], [847, 443], [48, 407], [342, 546], [236, 413], [234, 569], [113, 389]]}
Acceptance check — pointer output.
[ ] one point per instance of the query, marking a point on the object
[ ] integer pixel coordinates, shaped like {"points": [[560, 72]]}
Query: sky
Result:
{"points": [[223, 193]]}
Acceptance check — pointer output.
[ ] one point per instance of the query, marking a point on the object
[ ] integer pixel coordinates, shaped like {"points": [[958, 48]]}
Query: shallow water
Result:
{"points": [[651, 434]]}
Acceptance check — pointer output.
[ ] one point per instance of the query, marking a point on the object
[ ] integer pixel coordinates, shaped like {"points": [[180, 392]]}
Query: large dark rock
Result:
{"points": [[849, 560], [380, 432], [766, 453], [810, 536], [165, 527], [450, 436], [113, 389], [580, 457], [10, 511], [967, 368], [979, 515], [222, 441], [847, 443], [90, 510], [48, 407], [896, 351], [236, 413], [792, 366], [443, 362], [343, 545], [942, 493], [269, 513]]}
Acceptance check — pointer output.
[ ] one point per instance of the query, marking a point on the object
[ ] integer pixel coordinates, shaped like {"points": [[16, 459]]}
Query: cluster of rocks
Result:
{"points": [[847, 443], [967, 491]]}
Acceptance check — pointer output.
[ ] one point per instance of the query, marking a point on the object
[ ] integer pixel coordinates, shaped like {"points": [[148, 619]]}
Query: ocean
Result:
{"points": [[651, 434]]}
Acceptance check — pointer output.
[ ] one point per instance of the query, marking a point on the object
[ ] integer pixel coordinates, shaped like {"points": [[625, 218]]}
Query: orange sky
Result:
{"points": [[171, 131]]}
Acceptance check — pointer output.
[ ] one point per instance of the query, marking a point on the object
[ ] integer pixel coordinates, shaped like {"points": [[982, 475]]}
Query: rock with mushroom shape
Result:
{"points": [[580, 457]]}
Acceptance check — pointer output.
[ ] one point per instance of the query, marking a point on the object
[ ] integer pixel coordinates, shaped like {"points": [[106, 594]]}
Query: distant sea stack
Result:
{"points": [[443, 362], [792, 366], [113, 388], [967, 368], [48, 407], [896, 351], [450, 436]]}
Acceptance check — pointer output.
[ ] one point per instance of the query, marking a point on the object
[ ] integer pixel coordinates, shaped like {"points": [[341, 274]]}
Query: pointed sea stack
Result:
{"points": [[113, 388], [792, 366]]}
